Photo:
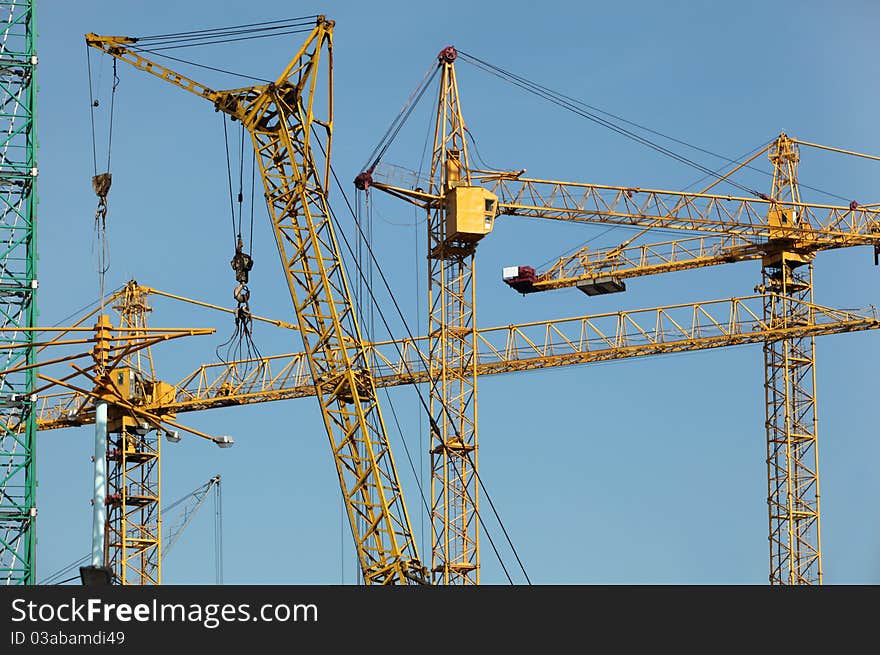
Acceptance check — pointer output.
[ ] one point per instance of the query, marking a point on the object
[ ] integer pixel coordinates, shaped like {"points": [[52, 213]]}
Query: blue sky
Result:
{"points": [[644, 471]]}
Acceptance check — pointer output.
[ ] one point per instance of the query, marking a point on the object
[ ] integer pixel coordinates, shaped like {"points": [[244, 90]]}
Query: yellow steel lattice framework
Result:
{"points": [[537, 345], [742, 228], [284, 119], [452, 344], [790, 392], [781, 230], [502, 349], [134, 520], [794, 233]]}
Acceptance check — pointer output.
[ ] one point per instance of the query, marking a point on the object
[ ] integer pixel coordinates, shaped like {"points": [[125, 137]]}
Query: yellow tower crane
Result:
{"points": [[779, 228], [284, 119], [126, 530], [503, 349], [455, 226], [128, 474], [499, 350], [462, 204]]}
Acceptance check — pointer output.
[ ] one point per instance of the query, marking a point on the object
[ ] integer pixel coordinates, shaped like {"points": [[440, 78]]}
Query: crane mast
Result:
{"points": [[790, 394], [133, 547], [291, 135], [462, 204], [451, 351]]}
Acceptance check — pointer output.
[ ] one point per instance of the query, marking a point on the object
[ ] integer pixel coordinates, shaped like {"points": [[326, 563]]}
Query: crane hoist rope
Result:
{"points": [[380, 568], [373, 260], [790, 230], [249, 31], [101, 182], [241, 343]]}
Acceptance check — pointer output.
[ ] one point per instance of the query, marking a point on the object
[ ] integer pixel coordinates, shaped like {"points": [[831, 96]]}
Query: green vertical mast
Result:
{"points": [[18, 286]]}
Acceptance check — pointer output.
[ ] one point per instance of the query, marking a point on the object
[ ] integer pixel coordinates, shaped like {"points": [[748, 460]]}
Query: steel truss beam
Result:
{"points": [[503, 349]]}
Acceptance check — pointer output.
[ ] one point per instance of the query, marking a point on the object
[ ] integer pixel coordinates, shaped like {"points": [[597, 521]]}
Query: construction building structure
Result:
{"points": [[18, 290]]}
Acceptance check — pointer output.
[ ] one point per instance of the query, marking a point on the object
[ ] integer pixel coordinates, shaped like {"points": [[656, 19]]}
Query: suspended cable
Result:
{"points": [[738, 161], [581, 103], [423, 158], [76, 577], [536, 89], [211, 68], [253, 185], [112, 111], [101, 182], [483, 525], [406, 450], [434, 427], [477, 151], [426, 446], [97, 301], [241, 345], [219, 34], [192, 494], [229, 177], [156, 50], [92, 110], [401, 118], [233, 27], [50, 579], [218, 532], [551, 95], [497, 517], [240, 176]]}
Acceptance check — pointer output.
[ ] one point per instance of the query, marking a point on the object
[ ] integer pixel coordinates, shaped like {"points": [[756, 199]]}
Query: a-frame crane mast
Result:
{"points": [[290, 123]]}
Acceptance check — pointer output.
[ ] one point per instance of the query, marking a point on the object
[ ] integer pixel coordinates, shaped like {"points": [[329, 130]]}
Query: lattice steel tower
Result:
{"points": [[18, 284], [790, 389]]}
